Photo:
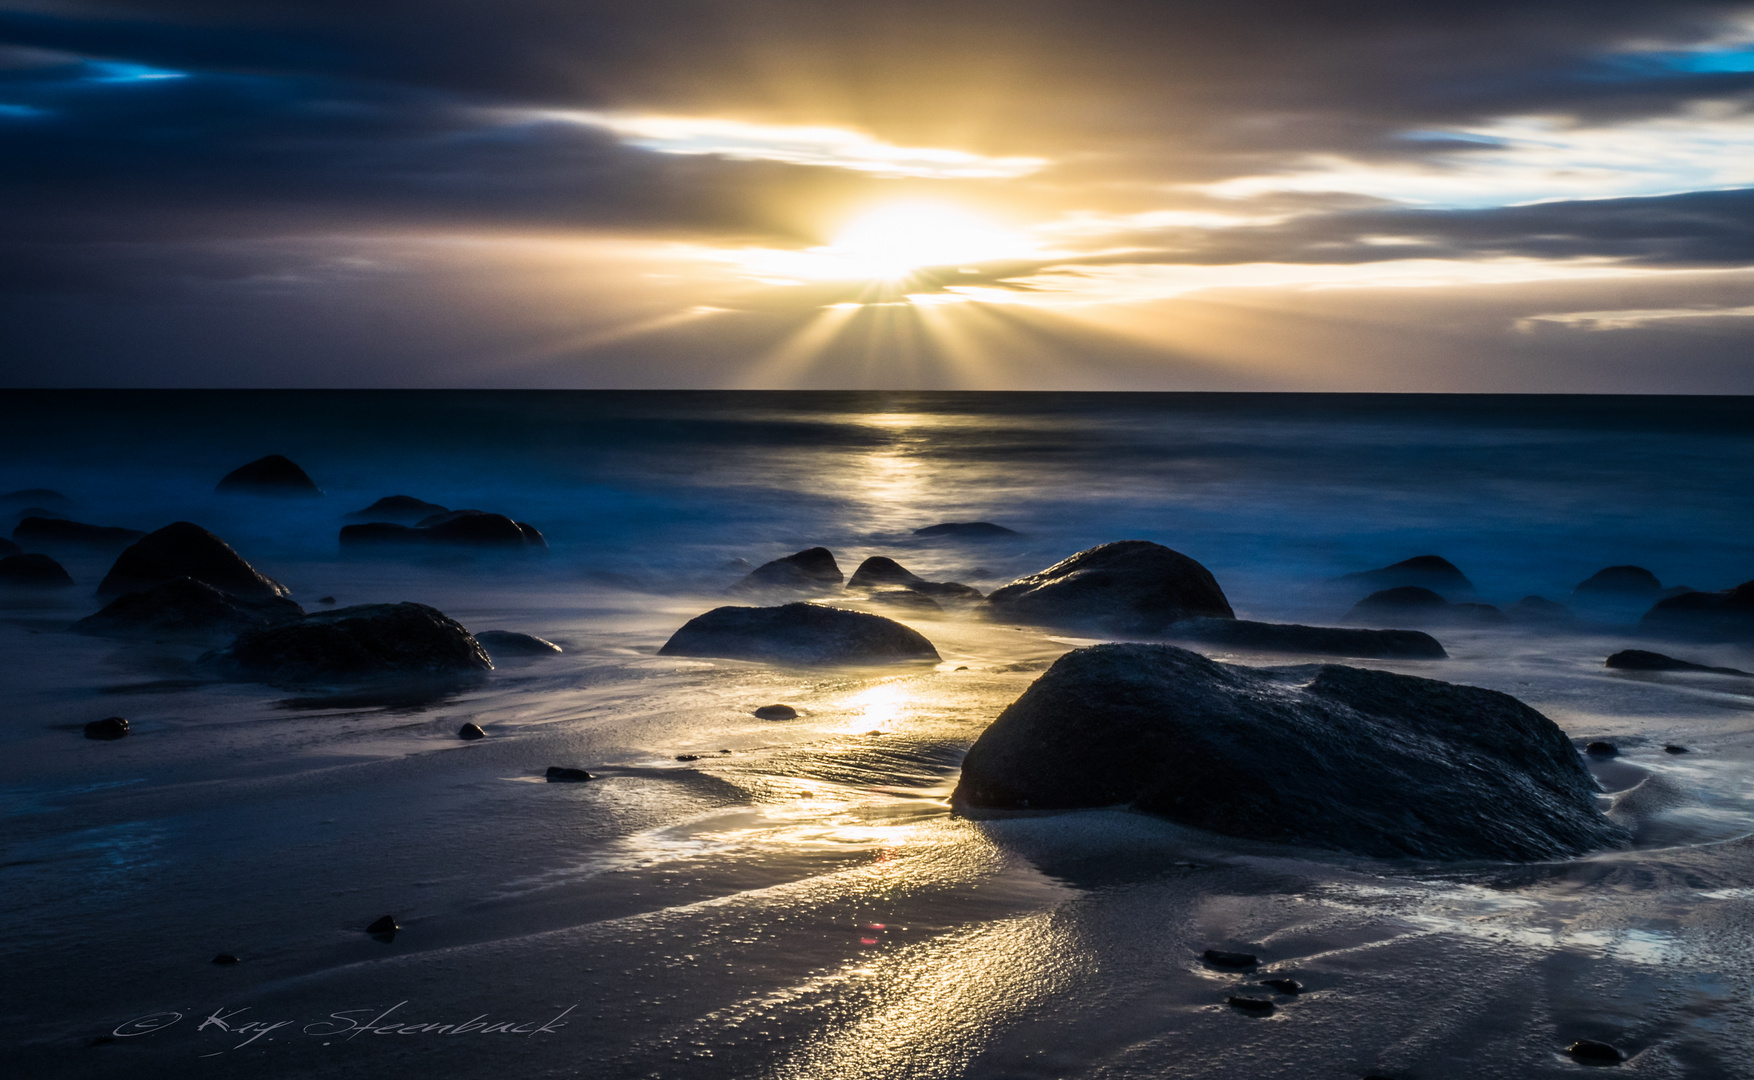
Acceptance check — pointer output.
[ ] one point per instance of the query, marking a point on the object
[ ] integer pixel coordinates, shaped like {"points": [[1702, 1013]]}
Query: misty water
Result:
{"points": [[800, 901]]}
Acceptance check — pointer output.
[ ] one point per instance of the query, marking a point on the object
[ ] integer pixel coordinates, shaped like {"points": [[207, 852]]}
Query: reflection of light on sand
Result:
{"points": [[880, 706]]}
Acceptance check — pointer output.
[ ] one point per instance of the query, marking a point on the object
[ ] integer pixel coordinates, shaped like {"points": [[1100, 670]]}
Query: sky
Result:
{"points": [[1288, 195]]}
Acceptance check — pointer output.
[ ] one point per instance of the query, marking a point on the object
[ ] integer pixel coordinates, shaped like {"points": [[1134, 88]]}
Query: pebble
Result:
{"points": [[110, 727], [384, 925], [561, 774], [1673, 749], [325, 599], [471, 731], [1598, 1053], [1220, 958], [687, 757], [224, 958], [1284, 986], [776, 712], [1259, 1006]]}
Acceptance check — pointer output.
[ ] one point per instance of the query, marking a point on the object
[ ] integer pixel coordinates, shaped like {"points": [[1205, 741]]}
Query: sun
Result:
{"points": [[891, 241]]}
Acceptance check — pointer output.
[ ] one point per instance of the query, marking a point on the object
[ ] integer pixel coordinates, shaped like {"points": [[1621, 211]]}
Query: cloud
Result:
{"points": [[1629, 319]]}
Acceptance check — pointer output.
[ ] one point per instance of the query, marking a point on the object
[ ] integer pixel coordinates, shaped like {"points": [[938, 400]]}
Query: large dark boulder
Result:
{"points": [[1411, 605], [810, 569], [352, 642], [1311, 640], [401, 508], [879, 572], [1643, 660], [967, 530], [46, 532], [186, 608], [1333, 757], [184, 549], [1619, 581], [1127, 587], [798, 634], [453, 528], [33, 572], [1705, 616], [7, 547], [272, 475], [1426, 571]]}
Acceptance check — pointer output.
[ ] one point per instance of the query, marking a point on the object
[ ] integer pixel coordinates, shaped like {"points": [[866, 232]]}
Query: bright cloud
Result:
{"points": [[1630, 319], [827, 147]]}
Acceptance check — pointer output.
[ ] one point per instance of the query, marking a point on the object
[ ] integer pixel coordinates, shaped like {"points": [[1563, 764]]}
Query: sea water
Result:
{"points": [[800, 900]]}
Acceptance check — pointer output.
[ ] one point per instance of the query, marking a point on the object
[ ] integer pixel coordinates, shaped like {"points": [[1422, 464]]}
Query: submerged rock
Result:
{"points": [[184, 607], [352, 642], [184, 549], [511, 643], [810, 569], [271, 475], [1259, 1006], [560, 774], [1417, 606], [1127, 587], [223, 959], [33, 572], [454, 528], [1706, 616], [1595, 1053], [1602, 749], [1314, 640], [1220, 958], [1425, 571], [967, 530], [110, 727], [48, 532], [878, 572], [1335, 757], [1641, 660], [403, 508], [799, 634], [1620, 581]]}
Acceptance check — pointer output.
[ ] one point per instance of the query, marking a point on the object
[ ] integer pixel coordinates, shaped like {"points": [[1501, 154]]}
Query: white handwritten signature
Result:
{"points": [[344, 1025]]}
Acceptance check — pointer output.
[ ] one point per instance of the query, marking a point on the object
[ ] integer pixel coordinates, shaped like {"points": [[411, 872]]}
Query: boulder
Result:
{"points": [[810, 569], [7, 547], [511, 643], [271, 475], [470, 732], [1325, 756], [560, 774], [907, 600], [1708, 616], [1313, 640], [44, 532], [184, 549], [1640, 660], [878, 572], [107, 729], [776, 712], [186, 608], [33, 572], [1619, 581], [1411, 605], [453, 528], [352, 642], [1426, 571], [401, 508], [967, 530], [383, 925], [798, 634], [1127, 587]]}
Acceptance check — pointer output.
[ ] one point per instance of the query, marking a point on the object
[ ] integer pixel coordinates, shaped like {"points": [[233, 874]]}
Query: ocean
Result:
{"points": [[799, 900]]}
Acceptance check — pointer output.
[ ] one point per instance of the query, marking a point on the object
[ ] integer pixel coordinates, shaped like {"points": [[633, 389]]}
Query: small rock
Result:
{"points": [[33, 572], [1424, 571], [1257, 1006], [110, 727], [1595, 1053], [687, 757], [963, 668], [403, 508], [560, 775], [383, 925], [776, 712], [1220, 958], [1624, 580], [325, 599], [724, 751], [967, 530], [1644, 660], [471, 731], [1673, 749], [271, 475], [1602, 749], [224, 958], [1284, 986], [875, 733]]}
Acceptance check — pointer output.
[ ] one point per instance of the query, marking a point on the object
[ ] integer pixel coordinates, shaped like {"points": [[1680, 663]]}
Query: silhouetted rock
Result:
{"points": [[1365, 761], [110, 727], [272, 475], [325, 599], [1595, 1053], [400, 508], [36, 496], [454, 528], [559, 774], [1672, 748], [1426, 571], [878, 572], [1538, 609], [384, 925], [1641, 660], [41, 532], [1601, 749], [1411, 605], [687, 757], [7, 547], [776, 712], [1620, 581], [1312, 640], [184, 607], [908, 600], [511, 643], [967, 530], [183, 549], [33, 572], [810, 569], [224, 959], [1705, 616], [798, 634], [1284, 986], [1258, 1006], [352, 642], [1127, 587], [1220, 958], [470, 732]]}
